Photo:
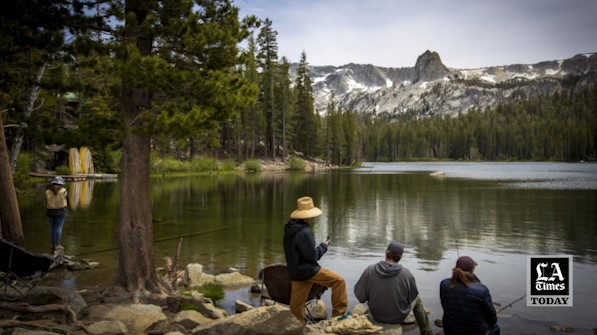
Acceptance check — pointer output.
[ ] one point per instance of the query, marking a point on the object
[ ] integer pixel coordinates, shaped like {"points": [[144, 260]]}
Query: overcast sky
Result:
{"points": [[465, 33]]}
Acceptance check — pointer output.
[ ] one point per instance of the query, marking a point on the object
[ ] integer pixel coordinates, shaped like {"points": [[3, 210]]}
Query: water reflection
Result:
{"points": [[80, 194], [480, 209]]}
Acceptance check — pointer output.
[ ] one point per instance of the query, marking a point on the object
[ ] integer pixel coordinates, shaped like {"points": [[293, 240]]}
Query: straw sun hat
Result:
{"points": [[305, 209]]}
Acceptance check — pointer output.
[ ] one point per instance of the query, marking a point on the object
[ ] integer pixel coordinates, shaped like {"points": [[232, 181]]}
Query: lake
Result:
{"points": [[497, 213]]}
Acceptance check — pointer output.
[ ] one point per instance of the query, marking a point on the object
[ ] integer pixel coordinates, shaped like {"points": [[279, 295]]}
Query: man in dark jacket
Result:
{"points": [[467, 304], [391, 292], [302, 256]]}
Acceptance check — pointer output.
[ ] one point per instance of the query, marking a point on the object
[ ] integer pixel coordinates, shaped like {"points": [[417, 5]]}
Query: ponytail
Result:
{"points": [[465, 277]]}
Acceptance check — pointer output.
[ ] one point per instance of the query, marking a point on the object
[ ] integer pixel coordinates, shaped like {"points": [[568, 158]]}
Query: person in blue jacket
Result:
{"points": [[467, 304]]}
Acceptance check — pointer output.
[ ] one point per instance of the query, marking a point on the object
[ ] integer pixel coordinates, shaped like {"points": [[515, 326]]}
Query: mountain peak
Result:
{"points": [[429, 67]]}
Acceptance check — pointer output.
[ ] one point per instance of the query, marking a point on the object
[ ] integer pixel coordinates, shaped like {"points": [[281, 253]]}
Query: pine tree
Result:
{"points": [[268, 60]]}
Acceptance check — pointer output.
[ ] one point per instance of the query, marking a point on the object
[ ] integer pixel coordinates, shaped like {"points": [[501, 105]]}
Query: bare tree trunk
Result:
{"points": [[29, 107], [10, 217], [136, 266]]}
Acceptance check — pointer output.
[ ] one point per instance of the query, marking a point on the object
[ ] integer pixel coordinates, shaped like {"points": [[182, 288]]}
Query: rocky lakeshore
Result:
{"points": [[51, 310]]}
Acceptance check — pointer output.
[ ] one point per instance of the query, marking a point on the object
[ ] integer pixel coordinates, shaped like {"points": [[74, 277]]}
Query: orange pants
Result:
{"points": [[323, 277]]}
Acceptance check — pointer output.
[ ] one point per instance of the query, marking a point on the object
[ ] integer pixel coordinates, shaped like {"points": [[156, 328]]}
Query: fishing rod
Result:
{"points": [[345, 209], [511, 304], [155, 241], [455, 236]]}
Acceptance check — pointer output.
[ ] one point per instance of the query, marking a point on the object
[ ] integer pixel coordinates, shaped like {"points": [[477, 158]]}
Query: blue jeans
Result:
{"points": [[56, 223]]}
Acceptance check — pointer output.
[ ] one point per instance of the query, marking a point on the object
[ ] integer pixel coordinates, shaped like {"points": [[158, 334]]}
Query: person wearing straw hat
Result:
{"points": [[301, 257], [56, 203], [467, 304], [390, 291]]}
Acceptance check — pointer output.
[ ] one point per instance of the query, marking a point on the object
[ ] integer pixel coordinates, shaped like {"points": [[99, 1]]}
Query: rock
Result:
{"points": [[136, 317], [241, 307], [158, 328], [356, 324], [360, 309], [429, 67], [439, 323], [231, 270], [79, 266], [274, 320], [255, 288], [207, 308], [23, 331], [196, 275], [233, 279], [107, 328], [191, 319], [566, 329], [318, 311]]}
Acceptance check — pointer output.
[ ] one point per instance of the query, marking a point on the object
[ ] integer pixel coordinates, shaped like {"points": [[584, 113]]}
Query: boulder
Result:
{"points": [[233, 279], [317, 311], [241, 306], [136, 317], [191, 319], [196, 275], [107, 328], [274, 320]]}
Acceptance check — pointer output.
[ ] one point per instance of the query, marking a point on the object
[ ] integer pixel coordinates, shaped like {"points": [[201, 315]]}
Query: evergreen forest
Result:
{"points": [[220, 89]]}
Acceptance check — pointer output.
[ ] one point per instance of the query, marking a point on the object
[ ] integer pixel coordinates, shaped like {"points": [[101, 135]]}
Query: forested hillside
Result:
{"points": [[246, 102]]}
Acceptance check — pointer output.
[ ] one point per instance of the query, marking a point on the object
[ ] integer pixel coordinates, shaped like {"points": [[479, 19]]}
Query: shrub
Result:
{"points": [[167, 164], [296, 164], [62, 170], [252, 165], [213, 291], [228, 165], [203, 164], [21, 178]]}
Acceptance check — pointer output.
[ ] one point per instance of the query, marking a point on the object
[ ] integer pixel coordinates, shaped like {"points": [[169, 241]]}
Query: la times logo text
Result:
{"points": [[549, 281]]}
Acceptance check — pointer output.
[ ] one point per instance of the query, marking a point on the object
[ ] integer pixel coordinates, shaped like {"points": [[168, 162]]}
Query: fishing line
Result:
{"points": [[455, 236]]}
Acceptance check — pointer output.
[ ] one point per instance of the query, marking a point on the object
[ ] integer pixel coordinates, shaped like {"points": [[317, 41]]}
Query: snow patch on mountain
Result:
{"points": [[431, 88]]}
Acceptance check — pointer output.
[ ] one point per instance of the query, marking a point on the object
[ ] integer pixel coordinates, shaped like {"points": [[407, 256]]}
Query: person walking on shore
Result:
{"points": [[301, 257], [56, 203]]}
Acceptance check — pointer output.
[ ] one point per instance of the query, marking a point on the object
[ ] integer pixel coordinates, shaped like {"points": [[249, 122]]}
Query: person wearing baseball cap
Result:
{"points": [[467, 304], [301, 257], [391, 292]]}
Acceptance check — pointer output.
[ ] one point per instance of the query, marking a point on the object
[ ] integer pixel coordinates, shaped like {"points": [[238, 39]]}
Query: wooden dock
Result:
{"points": [[77, 177]]}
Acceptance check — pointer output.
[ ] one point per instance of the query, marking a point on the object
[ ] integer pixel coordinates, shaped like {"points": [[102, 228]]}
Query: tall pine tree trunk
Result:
{"points": [[136, 267], [10, 217]]}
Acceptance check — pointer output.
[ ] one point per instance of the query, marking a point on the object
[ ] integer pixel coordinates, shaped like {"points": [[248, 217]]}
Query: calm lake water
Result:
{"points": [[497, 213]]}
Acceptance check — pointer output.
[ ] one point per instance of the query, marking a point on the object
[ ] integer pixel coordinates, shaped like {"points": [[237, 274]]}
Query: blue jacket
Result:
{"points": [[300, 250], [467, 310]]}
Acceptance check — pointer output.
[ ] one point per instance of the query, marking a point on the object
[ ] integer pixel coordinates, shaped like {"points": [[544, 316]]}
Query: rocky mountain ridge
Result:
{"points": [[431, 88]]}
